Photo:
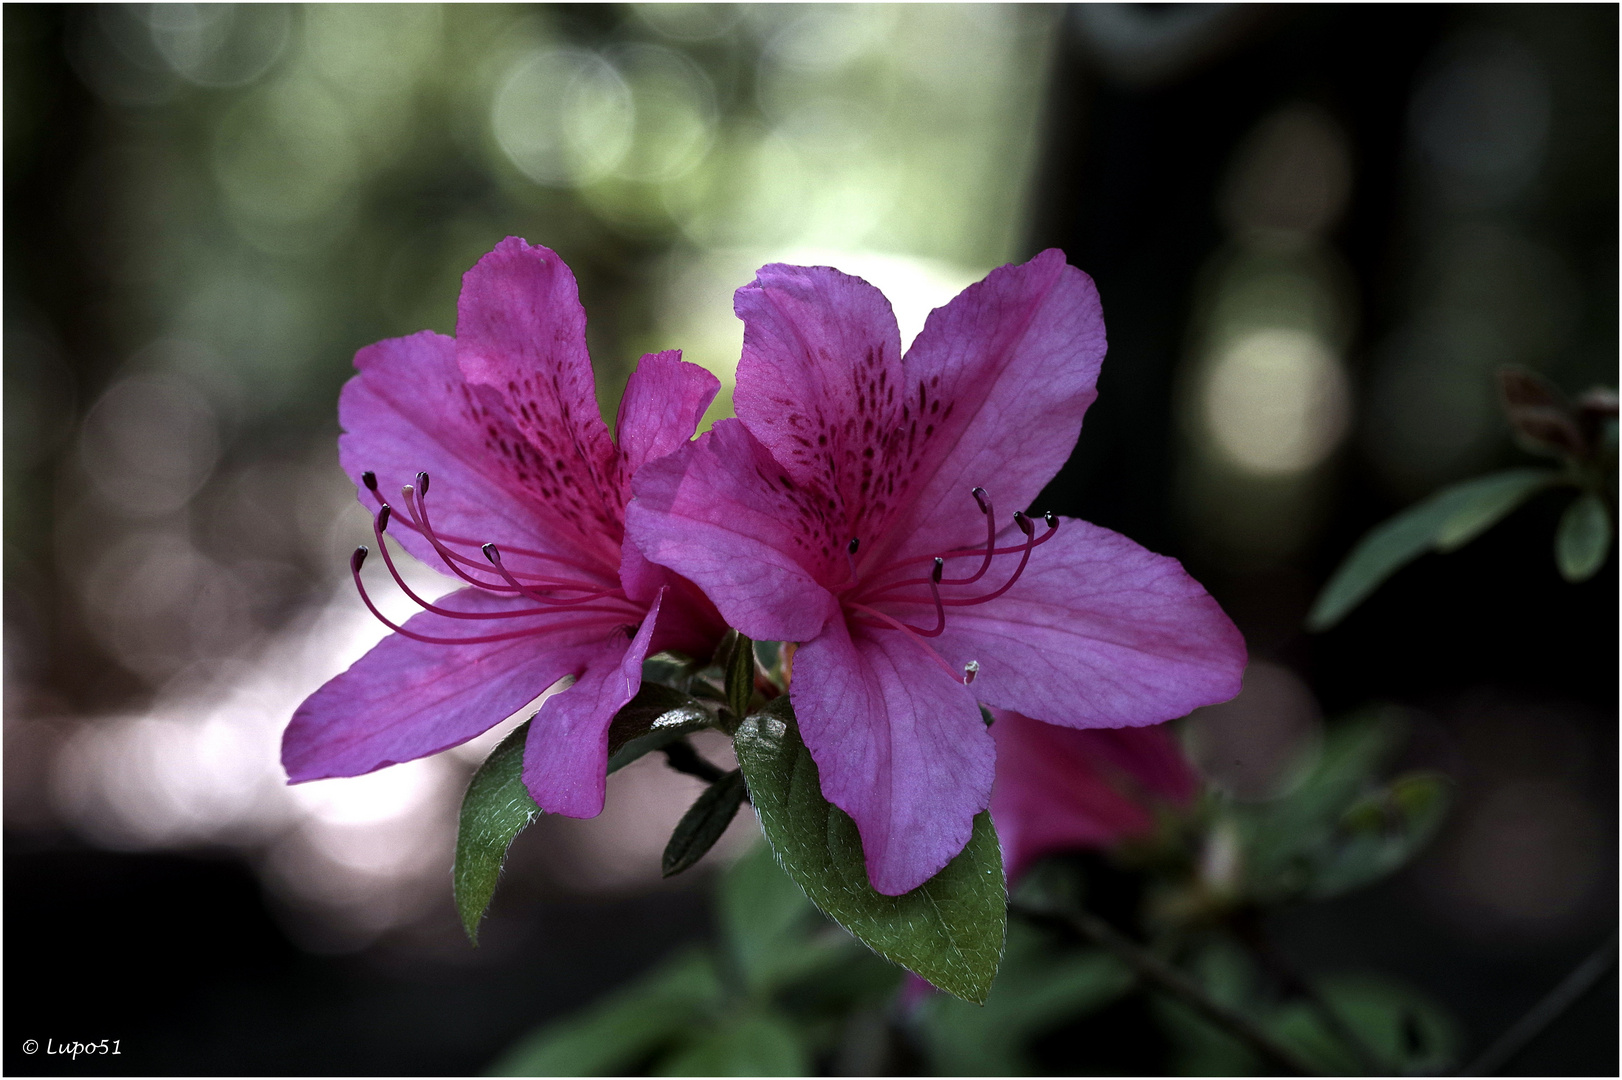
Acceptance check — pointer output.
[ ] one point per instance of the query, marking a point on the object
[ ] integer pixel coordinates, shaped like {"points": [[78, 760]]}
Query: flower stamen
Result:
{"points": [[359, 557], [910, 632]]}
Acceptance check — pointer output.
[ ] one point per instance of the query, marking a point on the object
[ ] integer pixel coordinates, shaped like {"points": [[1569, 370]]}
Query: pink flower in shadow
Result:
{"points": [[527, 503], [1067, 789], [851, 508]]}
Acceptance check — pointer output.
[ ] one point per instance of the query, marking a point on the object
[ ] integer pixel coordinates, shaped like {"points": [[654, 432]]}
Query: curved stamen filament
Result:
{"points": [[1029, 530], [910, 632], [1023, 550], [414, 501], [493, 553], [940, 613], [381, 523], [370, 480], [959, 553], [984, 502], [354, 569]]}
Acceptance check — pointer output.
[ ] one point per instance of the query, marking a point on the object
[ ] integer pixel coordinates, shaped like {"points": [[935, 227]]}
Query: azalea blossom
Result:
{"points": [[508, 480], [852, 507], [1067, 789]]}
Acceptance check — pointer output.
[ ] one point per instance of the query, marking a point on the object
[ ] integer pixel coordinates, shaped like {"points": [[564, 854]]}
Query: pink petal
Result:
{"points": [[1009, 368], [900, 745], [722, 513], [818, 384], [566, 753], [992, 394], [663, 403], [1062, 789], [520, 329], [407, 699], [664, 400], [1097, 633], [408, 411]]}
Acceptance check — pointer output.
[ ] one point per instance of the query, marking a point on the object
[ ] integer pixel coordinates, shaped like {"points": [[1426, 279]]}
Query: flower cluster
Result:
{"points": [[857, 506]]}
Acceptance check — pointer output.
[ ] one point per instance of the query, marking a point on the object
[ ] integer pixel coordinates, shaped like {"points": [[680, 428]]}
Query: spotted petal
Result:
{"points": [[520, 330], [722, 513], [992, 394], [409, 410]]}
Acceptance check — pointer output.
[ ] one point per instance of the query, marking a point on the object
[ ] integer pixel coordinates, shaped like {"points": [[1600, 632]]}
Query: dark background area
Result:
{"points": [[186, 959]]}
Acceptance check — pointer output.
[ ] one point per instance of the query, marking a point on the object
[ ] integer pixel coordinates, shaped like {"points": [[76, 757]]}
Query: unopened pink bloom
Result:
{"points": [[1065, 789], [852, 508], [507, 478]]}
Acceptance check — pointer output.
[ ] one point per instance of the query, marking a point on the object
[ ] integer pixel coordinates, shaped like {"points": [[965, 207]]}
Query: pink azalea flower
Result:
{"points": [[850, 508], [526, 508], [1065, 789]]}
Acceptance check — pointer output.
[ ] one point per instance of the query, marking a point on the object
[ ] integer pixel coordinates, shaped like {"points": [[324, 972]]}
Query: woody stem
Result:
{"points": [[1168, 980]]}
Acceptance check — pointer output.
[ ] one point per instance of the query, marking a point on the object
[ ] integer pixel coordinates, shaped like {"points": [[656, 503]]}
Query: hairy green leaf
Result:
{"points": [[1583, 538], [496, 808], [1443, 522], [622, 1031], [704, 822], [949, 930], [740, 676]]}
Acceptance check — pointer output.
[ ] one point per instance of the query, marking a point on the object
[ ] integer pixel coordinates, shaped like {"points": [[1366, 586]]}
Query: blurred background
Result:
{"points": [[1317, 233]]}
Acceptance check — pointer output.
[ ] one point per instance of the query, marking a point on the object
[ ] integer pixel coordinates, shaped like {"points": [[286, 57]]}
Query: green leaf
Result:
{"points": [[740, 675], [655, 718], [1583, 538], [1443, 522], [1382, 832], [1286, 842], [769, 656], [758, 1044], [623, 1030], [1201, 1048], [703, 824], [1341, 828], [496, 808], [767, 921], [1408, 1034], [949, 930], [1040, 987]]}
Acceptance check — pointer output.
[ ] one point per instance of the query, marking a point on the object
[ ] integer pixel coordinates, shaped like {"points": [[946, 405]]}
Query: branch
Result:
{"points": [[1540, 1016], [1252, 934], [1174, 983]]}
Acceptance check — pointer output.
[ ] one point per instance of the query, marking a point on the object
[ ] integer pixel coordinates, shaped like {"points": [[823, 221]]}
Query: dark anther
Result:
{"points": [[1052, 519], [422, 482], [369, 478], [1024, 523], [979, 494], [855, 542], [383, 518], [940, 567], [492, 553], [358, 557]]}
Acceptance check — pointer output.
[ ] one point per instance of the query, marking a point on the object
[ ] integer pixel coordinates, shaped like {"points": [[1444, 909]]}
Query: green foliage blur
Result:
{"points": [[786, 992]]}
